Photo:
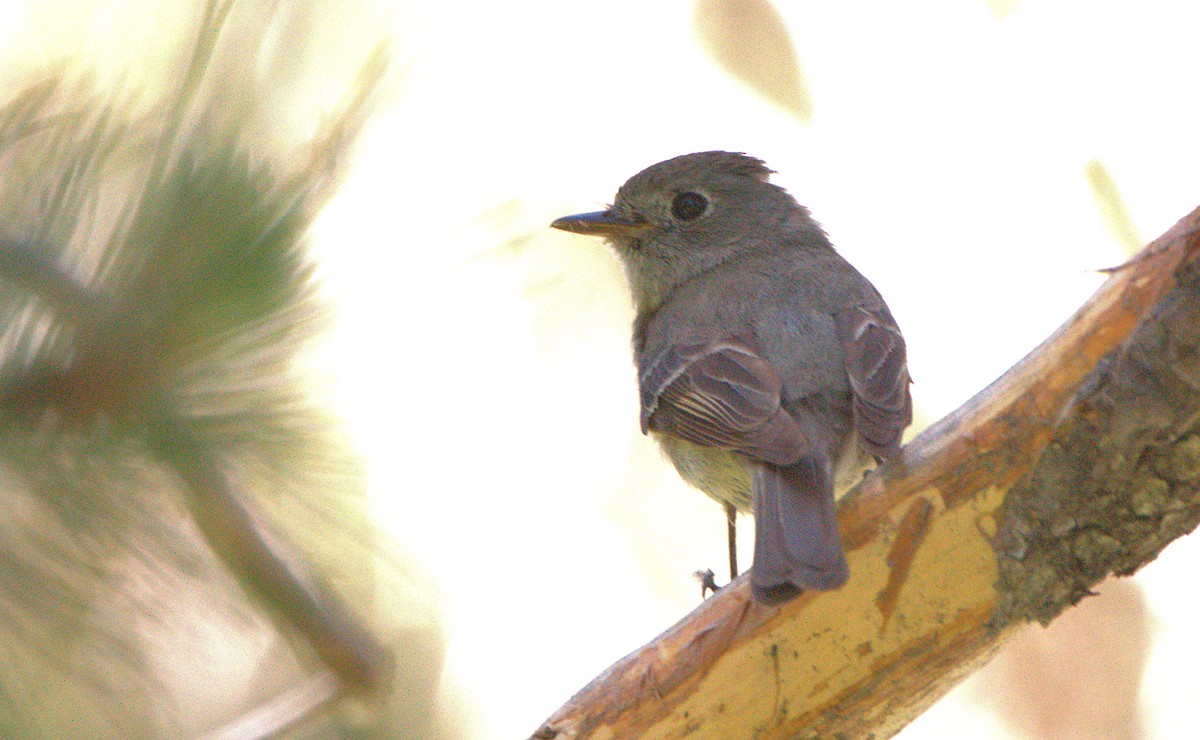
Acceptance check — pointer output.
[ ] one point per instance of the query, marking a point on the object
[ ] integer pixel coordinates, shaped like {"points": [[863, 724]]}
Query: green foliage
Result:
{"points": [[153, 276]]}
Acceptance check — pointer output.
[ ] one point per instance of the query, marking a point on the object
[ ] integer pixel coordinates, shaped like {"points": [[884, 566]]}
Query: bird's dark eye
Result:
{"points": [[688, 205]]}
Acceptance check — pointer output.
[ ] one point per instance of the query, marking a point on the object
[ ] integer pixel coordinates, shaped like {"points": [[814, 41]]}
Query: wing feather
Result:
{"points": [[720, 394], [877, 365]]}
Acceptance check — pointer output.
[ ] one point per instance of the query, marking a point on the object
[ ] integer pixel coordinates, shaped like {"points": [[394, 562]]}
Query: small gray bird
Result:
{"points": [[771, 371]]}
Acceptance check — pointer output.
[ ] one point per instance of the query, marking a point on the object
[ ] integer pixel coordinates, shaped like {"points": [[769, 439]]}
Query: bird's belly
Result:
{"points": [[723, 475]]}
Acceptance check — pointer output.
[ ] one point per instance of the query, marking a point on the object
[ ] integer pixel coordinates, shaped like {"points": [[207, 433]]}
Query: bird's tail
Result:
{"points": [[796, 540]]}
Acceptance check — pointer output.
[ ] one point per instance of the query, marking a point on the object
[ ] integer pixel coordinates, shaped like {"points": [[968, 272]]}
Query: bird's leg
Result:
{"points": [[731, 527], [707, 579]]}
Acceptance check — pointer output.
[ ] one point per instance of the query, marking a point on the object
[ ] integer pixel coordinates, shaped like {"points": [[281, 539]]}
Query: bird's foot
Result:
{"points": [[708, 582]]}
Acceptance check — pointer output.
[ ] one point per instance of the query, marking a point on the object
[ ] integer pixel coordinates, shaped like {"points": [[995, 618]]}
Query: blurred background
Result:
{"points": [[978, 161]]}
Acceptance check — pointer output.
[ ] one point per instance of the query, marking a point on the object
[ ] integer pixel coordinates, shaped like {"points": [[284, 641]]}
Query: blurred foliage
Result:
{"points": [[1001, 9], [154, 266], [750, 41], [1112, 206]]}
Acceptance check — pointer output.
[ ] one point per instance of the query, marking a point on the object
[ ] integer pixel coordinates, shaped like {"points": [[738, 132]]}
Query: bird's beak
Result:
{"points": [[599, 223]]}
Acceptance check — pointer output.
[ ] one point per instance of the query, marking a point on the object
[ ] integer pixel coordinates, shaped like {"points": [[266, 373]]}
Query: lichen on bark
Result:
{"points": [[1121, 479]]}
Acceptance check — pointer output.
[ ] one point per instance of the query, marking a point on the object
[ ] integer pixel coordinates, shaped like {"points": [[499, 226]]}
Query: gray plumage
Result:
{"points": [[771, 371]]}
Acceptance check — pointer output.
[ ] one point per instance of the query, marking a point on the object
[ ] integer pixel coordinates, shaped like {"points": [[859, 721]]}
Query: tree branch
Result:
{"points": [[1081, 461]]}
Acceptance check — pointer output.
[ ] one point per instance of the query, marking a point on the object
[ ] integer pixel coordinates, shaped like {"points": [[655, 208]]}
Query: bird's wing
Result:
{"points": [[722, 394], [877, 364]]}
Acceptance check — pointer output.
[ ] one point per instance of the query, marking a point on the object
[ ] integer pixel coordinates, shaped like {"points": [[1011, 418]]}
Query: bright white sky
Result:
{"points": [[486, 361]]}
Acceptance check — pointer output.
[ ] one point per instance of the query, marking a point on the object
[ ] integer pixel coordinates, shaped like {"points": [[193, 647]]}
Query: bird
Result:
{"points": [[771, 372]]}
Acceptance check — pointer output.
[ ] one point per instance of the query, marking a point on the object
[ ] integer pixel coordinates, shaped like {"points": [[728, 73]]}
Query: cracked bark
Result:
{"points": [[1081, 461]]}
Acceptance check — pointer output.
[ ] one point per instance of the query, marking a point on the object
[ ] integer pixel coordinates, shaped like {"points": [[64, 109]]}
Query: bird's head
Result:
{"points": [[682, 217]]}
